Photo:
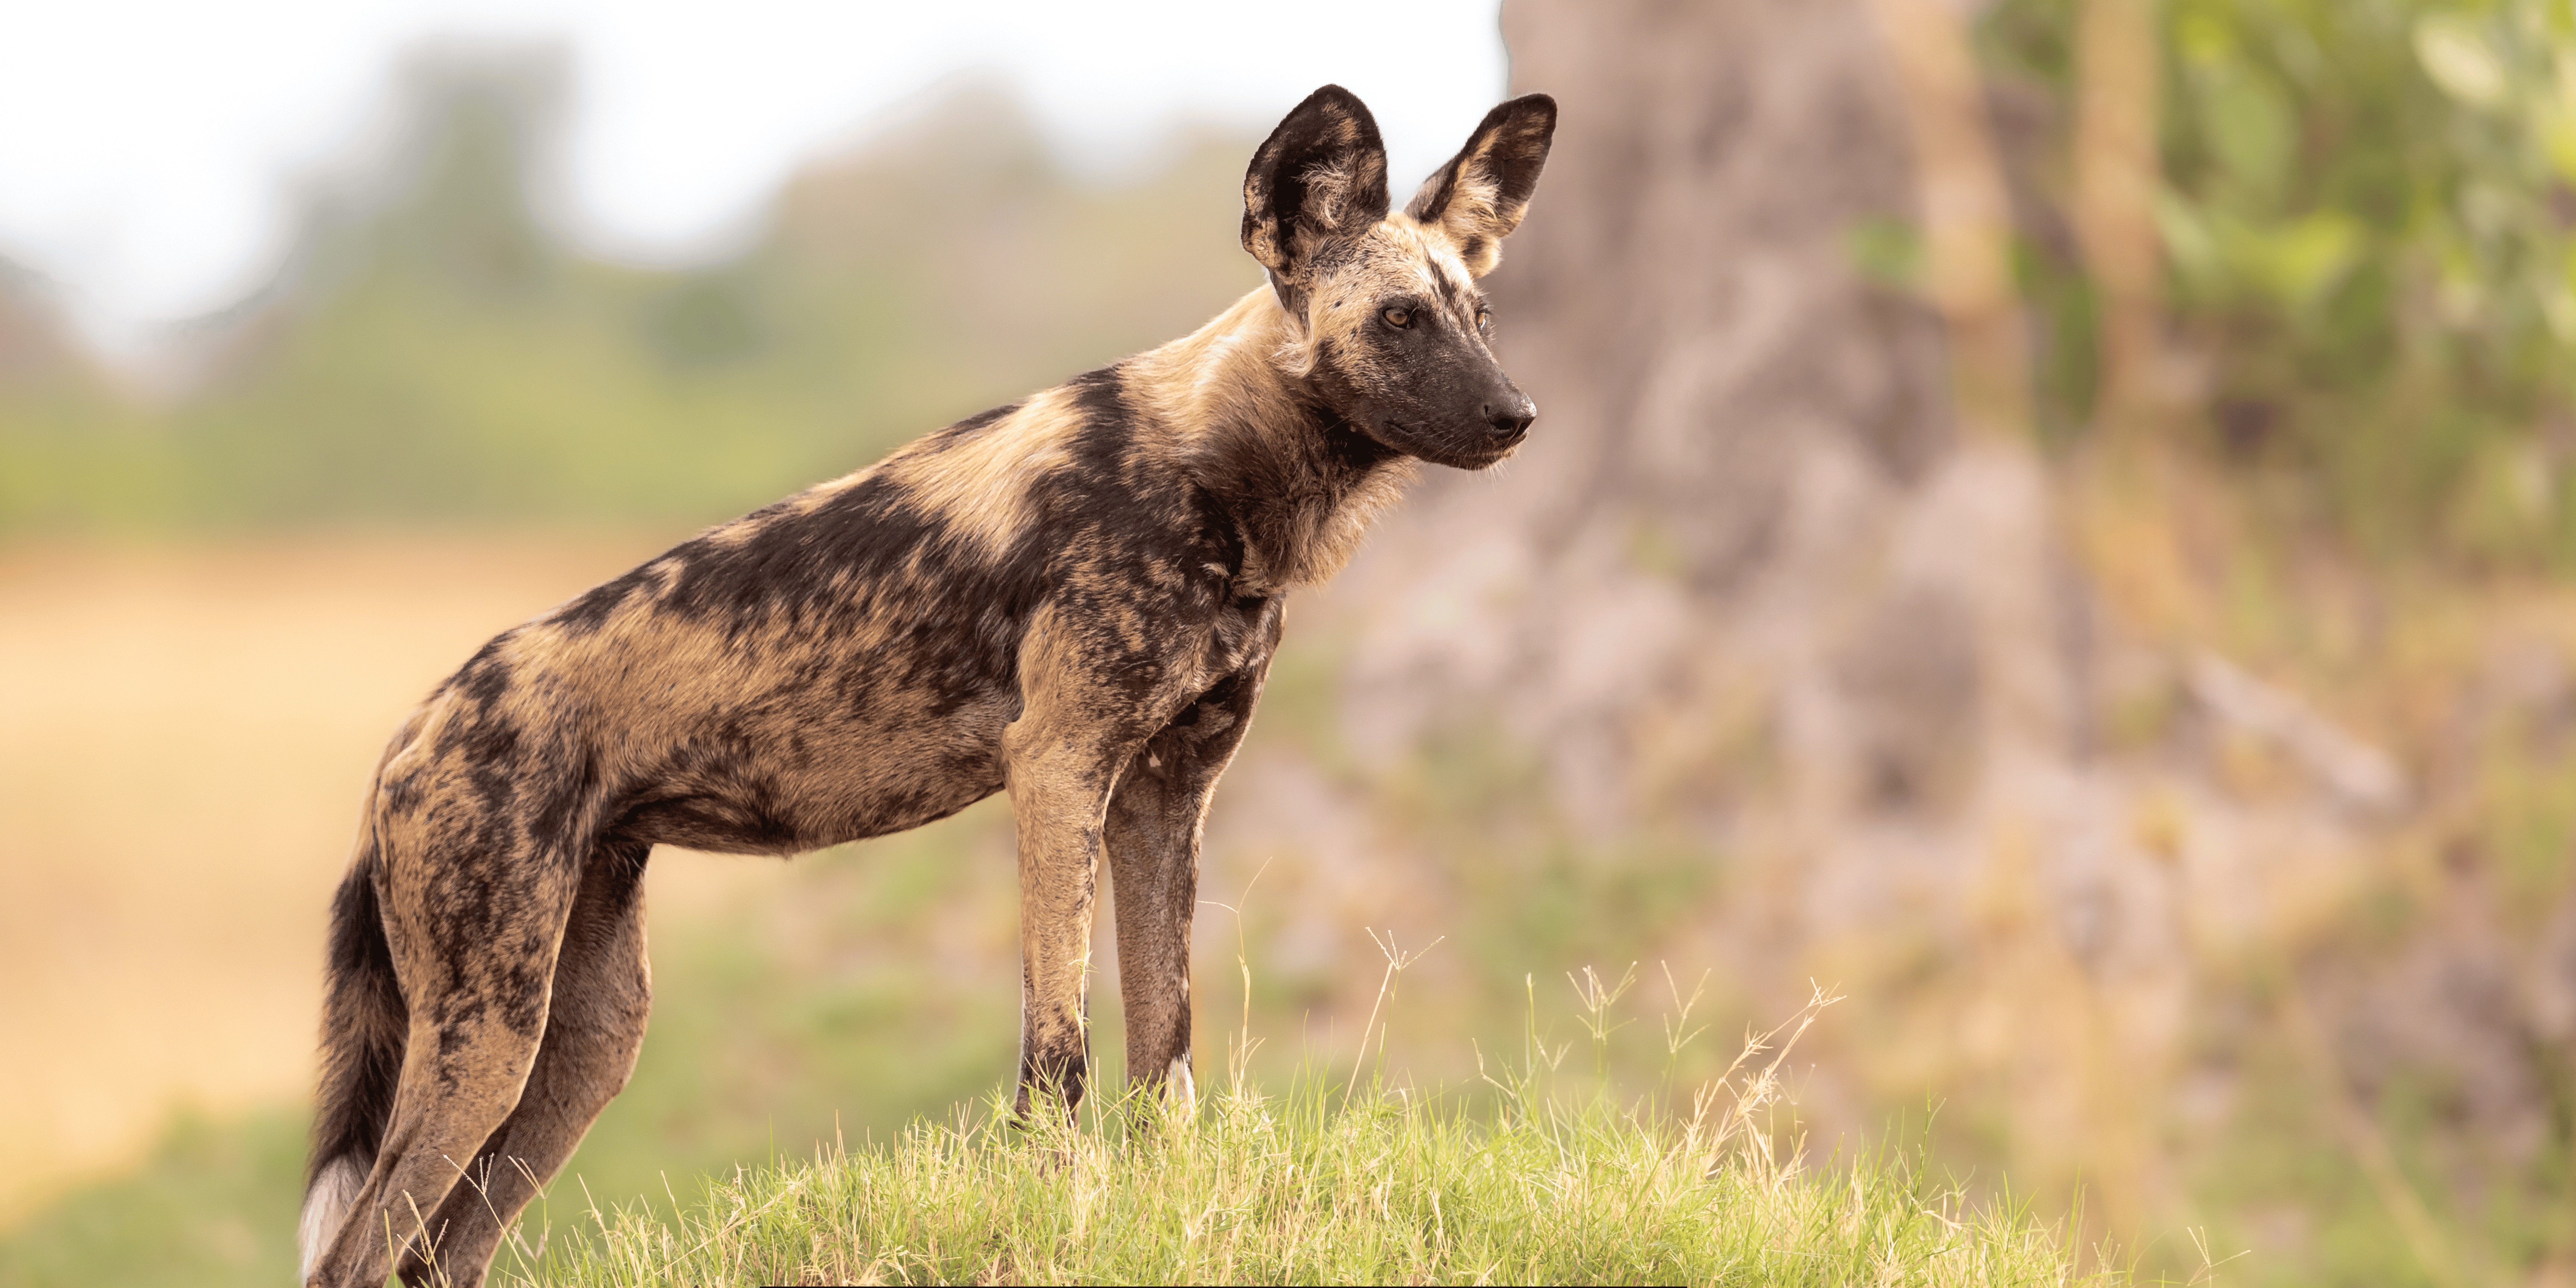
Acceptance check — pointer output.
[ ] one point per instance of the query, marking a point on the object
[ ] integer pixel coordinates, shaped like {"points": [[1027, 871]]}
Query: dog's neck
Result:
{"points": [[1247, 424]]}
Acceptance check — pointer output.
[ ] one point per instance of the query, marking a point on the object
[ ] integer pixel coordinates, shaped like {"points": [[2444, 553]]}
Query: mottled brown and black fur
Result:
{"points": [[1073, 599]]}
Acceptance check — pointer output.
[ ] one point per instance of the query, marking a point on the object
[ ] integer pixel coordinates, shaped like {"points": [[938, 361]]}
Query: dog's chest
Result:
{"points": [[1246, 629]]}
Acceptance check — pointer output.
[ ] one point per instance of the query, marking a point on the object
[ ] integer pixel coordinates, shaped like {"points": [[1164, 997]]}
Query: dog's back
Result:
{"points": [[836, 666]]}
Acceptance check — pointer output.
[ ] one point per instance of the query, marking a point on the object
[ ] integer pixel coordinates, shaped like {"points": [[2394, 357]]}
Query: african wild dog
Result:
{"points": [[1073, 599]]}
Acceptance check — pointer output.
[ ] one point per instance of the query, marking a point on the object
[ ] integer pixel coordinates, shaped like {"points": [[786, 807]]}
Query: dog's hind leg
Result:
{"points": [[473, 929], [594, 1029]]}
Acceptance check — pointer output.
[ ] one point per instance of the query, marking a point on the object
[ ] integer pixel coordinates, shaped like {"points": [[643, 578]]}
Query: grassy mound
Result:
{"points": [[1335, 1181]]}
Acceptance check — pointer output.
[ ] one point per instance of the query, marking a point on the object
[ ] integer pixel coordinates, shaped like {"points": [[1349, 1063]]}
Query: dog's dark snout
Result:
{"points": [[1511, 417]]}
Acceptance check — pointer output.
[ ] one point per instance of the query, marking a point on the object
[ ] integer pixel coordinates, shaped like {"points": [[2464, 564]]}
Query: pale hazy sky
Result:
{"points": [[147, 147]]}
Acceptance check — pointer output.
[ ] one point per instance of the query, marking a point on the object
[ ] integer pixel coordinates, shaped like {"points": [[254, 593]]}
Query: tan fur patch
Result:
{"points": [[981, 483]]}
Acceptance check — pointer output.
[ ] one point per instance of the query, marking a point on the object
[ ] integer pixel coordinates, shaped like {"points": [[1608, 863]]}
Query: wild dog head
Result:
{"points": [[1393, 328]]}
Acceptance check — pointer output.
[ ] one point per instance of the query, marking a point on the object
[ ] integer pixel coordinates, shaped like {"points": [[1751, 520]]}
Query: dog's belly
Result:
{"points": [[790, 789], [737, 827]]}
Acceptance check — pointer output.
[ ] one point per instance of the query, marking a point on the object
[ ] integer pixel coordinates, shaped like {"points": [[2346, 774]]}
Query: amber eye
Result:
{"points": [[1398, 317], [1484, 319]]}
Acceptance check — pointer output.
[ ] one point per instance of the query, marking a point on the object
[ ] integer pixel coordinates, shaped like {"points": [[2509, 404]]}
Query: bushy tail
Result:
{"points": [[364, 1021]]}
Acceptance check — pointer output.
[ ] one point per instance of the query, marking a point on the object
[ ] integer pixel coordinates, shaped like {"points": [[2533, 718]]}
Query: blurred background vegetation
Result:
{"points": [[2368, 214], [435, 353], [2365, 310]]}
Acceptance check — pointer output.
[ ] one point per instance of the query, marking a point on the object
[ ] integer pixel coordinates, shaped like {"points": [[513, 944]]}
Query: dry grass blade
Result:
{"points": [[1760, 1088]]}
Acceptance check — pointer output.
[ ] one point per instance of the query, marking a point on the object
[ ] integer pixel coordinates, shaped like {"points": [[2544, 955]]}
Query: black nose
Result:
{"points": [[1512, 418]]}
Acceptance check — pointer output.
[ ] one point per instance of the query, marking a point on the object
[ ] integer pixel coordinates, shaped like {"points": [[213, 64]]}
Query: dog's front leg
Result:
{"points": [[1056, 803], [1061, 757], [1154, 825]]}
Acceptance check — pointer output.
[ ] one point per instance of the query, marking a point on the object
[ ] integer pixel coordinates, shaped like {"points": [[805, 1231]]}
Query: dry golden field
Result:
{"points": [[184, 735]]}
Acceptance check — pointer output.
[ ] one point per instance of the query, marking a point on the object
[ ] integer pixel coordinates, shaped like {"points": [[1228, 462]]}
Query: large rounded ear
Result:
{"points": [[1321, 175], [1478, 198]]}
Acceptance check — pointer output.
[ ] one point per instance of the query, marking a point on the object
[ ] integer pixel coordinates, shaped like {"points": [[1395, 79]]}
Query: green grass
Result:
{"points": [[1335, 1181], [1384, 1187], [1533, 1174], [1543, 1172]]}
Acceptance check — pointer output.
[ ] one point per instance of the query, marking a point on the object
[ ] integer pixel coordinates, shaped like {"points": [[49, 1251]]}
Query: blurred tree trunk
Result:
{"points": [[1689, 264], [1966, 214], [1746, 442], [2115, 200], [1778, 566]]}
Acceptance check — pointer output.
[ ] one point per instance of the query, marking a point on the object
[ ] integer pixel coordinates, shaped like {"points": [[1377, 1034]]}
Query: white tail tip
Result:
{"points": [[325, 1206]]}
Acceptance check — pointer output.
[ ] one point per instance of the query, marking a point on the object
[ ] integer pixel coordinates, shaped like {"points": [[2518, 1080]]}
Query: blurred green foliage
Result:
{"points": [[214, 1205], [433, 352], [2371, 231]]}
